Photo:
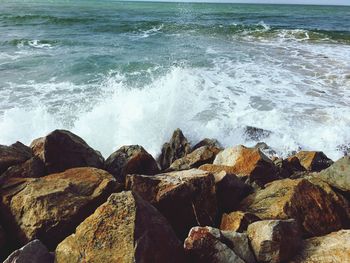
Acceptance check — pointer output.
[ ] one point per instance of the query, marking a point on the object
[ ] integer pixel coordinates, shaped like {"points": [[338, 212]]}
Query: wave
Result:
{"points": [[35, 43], [45, 19]]}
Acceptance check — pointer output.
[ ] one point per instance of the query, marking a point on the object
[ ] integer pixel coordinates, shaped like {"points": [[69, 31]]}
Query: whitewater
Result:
{"points": [[119, 73]]}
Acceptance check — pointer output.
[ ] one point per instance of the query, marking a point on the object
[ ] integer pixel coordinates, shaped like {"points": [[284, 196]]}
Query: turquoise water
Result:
{"points": [[130, 72]]}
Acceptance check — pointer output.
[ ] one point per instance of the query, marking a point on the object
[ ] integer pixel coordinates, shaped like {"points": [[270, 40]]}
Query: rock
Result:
{"points": [[256, 134], [333, 247], [274, 240], [2, 238], [248, 162], [49, 208], [132, 159], [208, 142], [185, 198], [33, 252], [289, 167], [267, 150], [316, 212], [207, 244], [237, 221], [198, 157], [313, 161], [14, 154], [338, 175], [32, 168], [124, 229], [344, 148], [230, 191], [176, 148], [61, 150]]}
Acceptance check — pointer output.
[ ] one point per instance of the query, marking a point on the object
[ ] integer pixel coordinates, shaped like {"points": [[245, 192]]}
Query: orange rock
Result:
{"points": [[313, 161], [237, 221]]}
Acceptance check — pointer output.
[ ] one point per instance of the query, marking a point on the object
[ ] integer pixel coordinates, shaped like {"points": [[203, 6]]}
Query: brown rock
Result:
{"points": [[237, 221], [274, 240], [198, 157], [133, 159], [316, 212], [61, 150], [50, 207], [208, 142], [33, 252], [2, 238], [124, 229], [248, 162], [289, 167], [313, 161], [176, 148], [14, 154], [207, 244], [185, 198], [333, 247]]}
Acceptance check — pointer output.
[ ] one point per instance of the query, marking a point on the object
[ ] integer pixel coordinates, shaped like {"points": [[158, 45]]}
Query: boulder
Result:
{"points": [[2, 238], [316, 211], [313, 161], [33, 252], [248, 162], [32, 168], [14, 154], [256, 134], [274, 240], [61, 150], [49, 208], [207, 244], [338, 175], [124, 229], [208, 142], [176, 148], [185, 198], [200, 156], [132, 159], [333, 247], [267, 150], [237, 221], [289, 167]]}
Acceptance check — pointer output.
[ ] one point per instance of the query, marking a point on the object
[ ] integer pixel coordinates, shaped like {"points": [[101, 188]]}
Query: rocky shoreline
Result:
{"points": [[61, 201]]}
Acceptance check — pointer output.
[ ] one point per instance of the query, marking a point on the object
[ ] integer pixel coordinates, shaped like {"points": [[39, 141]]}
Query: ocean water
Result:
{"points": [[120, 73]]}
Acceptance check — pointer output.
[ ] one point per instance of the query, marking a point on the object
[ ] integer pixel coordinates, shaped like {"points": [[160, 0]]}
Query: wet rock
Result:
{"points": [[198, 157], [313, 161], [333, 247], [248, 162], [14, 154], [256, 134], [49, 208], [267, 150], [33, 252], [207, 244], [132, 159], [315, 211], [344, 148], [237, 221], [61, 150], [274, 240], [208, 142], [124, 229], [176, 148], [289, 167], [185, 198]]}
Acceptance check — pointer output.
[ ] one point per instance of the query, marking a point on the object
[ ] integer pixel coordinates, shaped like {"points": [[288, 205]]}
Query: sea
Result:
{"points": [[119, 73]]}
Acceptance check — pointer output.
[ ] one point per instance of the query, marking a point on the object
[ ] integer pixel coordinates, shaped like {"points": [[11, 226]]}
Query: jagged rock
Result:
{"points": [[207, 244], [274, 240], [267, 150], [316, 211], [198, 157], [49, 208], [33, 252], [32, 168], [208, 142], [338, 175], [185, 198], [14, 154], [248, 162], [313, 161], [132, 159], [289, 167], [230, 191], [333, 247], [176, 148], [256, 134], [237, 221], [124, 229], [61, 150]]}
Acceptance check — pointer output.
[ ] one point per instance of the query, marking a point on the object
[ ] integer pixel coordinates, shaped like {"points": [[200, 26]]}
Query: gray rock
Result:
{"points": [[33, 252]]}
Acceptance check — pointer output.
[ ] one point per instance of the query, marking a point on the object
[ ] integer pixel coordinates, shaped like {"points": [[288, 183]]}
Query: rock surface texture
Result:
{"points": [[313, 161], [237, 221], [124, 229], [14, 154]]}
